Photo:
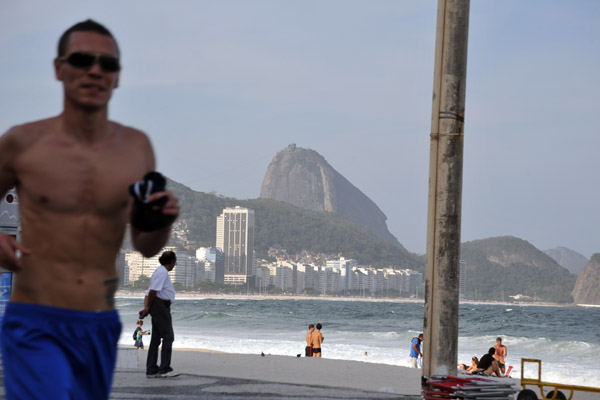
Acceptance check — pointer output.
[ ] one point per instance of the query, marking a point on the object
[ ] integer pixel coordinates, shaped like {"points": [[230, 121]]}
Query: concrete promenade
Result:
{"points": [[238, 376]]}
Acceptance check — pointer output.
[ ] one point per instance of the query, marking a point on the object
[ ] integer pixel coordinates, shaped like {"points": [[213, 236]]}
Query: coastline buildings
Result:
{"points": [[337, 277], [235, 238], [185, 272]]}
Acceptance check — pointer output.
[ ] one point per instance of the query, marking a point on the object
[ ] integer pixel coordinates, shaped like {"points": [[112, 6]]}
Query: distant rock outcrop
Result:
{"points": [[587, 287], [304, 178], [567, 258], [503, 267]]}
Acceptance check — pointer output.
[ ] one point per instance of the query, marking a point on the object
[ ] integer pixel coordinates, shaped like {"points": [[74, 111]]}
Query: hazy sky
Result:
{"points": [[221, 86]]}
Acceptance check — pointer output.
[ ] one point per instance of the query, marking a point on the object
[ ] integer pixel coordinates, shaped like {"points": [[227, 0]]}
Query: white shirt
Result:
{"points": [[161, 283]]}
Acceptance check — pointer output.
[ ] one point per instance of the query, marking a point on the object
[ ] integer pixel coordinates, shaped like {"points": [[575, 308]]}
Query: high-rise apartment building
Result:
{"points": [[235, 237]]}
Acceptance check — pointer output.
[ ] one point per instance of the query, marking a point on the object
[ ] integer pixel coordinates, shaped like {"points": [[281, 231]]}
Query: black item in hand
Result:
{"points": [[145, 217]]}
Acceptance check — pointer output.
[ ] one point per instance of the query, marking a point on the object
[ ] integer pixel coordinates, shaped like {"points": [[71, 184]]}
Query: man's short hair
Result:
{"points": [[311, 326], [84, 26], [319, 326], [498, 338], [492, 351], [167, 258], [421, 336]]}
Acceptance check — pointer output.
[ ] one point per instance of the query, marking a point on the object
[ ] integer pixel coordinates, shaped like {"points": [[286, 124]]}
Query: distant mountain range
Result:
{"points": [[569, 259], [506, 266], [305, 204], [587, 288], [304, 178]]}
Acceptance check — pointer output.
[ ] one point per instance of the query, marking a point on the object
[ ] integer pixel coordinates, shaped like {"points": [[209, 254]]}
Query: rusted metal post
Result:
{"points": [[440, 344]]}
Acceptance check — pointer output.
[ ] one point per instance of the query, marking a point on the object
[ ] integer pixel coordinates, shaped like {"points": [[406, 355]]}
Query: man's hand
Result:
{"points": [[171, 207], [144, 313], [8, 256]]}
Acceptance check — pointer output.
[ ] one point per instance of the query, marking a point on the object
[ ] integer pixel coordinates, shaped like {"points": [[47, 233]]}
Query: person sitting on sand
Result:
{"points": [[317, 339], [471, 368], [309, 350], [500, 355], [487, 365]]}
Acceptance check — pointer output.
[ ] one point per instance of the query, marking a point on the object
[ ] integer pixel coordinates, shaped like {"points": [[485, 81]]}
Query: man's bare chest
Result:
{"points": [[68, 179]]}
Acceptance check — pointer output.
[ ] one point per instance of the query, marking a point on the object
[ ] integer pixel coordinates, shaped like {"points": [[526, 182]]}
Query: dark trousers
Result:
{"points": [[162, 329]]}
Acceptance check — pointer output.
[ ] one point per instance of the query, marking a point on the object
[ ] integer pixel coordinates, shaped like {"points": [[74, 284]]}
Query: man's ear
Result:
{"points": [[57, 73]]}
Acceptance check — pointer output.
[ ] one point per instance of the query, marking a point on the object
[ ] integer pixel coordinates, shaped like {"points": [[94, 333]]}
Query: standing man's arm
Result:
{"points": [[147, 303], [9, 148]]}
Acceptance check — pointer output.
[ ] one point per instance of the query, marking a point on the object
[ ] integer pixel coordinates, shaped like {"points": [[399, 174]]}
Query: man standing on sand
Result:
{"points": [[316, 340], [500, 354], [415, 351], [308, 350], [72, 173], [158, 300]]}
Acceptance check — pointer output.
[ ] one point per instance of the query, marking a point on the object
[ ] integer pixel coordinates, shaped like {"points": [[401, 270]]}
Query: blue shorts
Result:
{"points": [[57, 353]]}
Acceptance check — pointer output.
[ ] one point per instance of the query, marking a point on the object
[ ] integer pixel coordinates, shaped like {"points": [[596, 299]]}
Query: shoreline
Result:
{"points": [[196, 296]]}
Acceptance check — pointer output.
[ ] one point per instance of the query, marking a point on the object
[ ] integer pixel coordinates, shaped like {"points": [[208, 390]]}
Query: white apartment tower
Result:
{"points": [[235, 237]]}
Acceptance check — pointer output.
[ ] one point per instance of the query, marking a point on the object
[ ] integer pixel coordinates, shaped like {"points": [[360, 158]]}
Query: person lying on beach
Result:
{"points": [[471, 368], [487, 365]]}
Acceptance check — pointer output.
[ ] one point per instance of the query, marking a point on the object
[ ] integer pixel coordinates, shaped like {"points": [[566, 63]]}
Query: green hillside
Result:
{"points": [[506, 266], [283, 225]]}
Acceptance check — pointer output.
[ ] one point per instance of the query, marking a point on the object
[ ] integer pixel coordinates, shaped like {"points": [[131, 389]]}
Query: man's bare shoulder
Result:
{"points": [[133, 138], [21, 137], [129, 133]]}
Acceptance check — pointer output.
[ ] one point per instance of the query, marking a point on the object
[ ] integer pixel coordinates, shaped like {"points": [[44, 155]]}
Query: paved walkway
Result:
{"points": [[130, 384]]}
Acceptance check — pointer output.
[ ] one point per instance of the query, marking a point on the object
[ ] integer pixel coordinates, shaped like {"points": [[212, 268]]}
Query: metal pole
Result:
{"points": [[440, 344]]}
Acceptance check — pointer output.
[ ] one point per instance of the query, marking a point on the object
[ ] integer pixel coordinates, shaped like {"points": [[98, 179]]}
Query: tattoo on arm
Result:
{"points": [[111, 287]]}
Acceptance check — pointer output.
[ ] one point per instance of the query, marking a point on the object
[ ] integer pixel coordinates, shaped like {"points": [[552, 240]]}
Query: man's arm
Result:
{"points": [[150, 243], [9, 148], [147, 303], [417, 350]]}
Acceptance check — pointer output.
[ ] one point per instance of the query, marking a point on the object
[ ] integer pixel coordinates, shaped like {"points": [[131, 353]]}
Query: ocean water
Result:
{"points": [[566, 339]]}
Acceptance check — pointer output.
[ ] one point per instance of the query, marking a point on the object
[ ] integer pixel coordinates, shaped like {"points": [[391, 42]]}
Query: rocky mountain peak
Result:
{"points": [[304, 178]]}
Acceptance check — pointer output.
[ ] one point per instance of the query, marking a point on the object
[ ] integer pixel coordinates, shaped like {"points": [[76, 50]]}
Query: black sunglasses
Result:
{"points": [[86, 60]]}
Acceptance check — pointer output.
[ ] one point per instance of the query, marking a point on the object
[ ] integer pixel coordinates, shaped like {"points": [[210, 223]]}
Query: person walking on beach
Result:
{"points": [[415, 351], [316, 340], [500, 355], [72, 174], [308, 350], [157, 303], [138, 335]]}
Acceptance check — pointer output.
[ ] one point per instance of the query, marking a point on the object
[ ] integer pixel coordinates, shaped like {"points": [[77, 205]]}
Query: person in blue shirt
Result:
{"points": [[415, 351]]}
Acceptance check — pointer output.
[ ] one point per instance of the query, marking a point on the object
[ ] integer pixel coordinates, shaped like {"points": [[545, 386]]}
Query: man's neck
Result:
{"points": [[85, 125]]}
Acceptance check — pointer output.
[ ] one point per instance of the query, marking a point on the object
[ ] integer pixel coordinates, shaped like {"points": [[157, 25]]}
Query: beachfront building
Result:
{"points": [[263, 277], [216, 257], [346, 268], [138, 265], [235, 238], [185, 271]]}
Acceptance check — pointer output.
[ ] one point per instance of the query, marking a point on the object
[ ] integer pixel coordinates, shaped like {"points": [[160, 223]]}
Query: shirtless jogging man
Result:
{"points": [[72, 173]]}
